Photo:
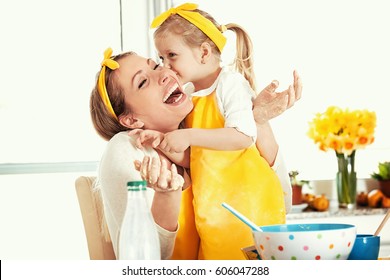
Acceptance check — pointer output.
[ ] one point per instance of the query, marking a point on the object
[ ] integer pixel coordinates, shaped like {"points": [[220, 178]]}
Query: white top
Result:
{"points": [[234, 99], [115, 170]]}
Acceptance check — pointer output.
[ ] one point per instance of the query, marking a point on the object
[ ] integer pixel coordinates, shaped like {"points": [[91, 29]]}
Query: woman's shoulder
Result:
{"points": [[121, 140], [120, 137], [122, 144], [117, 161]]}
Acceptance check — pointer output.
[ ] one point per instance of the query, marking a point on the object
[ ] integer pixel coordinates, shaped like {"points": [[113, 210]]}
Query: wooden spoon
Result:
{"points": [[387, 216]]}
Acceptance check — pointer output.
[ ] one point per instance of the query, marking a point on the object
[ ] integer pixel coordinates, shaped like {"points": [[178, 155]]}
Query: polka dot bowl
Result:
{"points": [[315, 241]]}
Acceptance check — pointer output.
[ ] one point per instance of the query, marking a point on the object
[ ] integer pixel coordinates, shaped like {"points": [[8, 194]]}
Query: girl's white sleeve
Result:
{"points": [[116, 168], [234, 96]]}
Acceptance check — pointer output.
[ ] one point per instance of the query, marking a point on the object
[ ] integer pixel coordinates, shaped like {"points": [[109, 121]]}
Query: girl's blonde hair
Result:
{"points": [[103, 121], [194, 37]]}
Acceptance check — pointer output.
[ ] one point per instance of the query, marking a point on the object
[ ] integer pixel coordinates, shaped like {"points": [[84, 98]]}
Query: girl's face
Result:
{"points": [[152, 93], [179, 57]]}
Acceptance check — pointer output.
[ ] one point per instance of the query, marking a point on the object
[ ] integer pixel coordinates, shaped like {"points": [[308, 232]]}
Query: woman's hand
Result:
{"points": [[270, 104], [159, 175]]}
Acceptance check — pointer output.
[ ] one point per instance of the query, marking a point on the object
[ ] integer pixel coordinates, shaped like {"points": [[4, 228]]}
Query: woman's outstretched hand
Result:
{"points": [[159, 176], [270, 104]]}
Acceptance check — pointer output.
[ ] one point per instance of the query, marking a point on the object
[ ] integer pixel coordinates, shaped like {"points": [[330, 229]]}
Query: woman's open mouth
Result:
{"points": [[174, 95]]}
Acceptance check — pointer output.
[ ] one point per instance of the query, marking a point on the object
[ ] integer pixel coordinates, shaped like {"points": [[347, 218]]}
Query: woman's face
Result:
{"points": [[152, 93]]}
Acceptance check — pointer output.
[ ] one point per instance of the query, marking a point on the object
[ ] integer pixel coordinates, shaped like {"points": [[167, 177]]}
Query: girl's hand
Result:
{"points": [[159, 176], [176, 141], [270, 104], [147, 137]]}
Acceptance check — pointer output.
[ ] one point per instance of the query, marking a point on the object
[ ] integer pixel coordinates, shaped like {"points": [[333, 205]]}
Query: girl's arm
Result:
{"points": [[217, 139], [179, 158], [224, 139], [153, 138]]}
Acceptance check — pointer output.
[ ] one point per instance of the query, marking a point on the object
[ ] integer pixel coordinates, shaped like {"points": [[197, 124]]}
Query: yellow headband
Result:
{"points": [[112, 64], [196, 19]]}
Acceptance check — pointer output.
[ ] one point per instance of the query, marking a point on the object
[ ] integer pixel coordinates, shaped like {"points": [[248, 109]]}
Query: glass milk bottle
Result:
{"points": [[138, 239]]}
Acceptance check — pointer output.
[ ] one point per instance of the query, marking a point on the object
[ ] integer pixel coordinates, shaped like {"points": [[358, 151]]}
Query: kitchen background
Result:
{"points": [[51, 52]]}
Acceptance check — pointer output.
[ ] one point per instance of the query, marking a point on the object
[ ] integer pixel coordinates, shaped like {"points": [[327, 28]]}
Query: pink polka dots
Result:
{"points": [[306, 241]]}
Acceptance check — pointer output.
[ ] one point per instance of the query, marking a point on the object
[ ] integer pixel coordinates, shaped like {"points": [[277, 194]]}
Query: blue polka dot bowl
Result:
{"points": [[311, 241]]}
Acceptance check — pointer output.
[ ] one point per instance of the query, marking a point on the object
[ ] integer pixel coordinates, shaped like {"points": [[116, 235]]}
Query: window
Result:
{"points": [[49, 57]]}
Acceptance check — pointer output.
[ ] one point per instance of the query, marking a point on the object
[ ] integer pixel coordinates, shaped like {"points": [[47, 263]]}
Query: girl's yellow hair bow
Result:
{"points": [[186, 11]]}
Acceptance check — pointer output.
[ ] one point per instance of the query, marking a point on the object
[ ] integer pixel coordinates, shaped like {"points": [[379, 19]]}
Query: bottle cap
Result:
{"points": [[136, 185]]}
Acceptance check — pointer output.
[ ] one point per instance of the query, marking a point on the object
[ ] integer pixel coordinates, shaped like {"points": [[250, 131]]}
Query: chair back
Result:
{"points": [[91, 207]]}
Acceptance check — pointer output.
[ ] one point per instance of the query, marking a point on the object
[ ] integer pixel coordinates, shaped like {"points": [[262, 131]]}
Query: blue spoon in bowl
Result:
{"points": [[244, 219]]}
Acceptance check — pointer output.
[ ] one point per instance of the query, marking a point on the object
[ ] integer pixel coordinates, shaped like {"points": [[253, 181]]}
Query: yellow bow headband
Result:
{"points": [[112, 64], [196, 19]]}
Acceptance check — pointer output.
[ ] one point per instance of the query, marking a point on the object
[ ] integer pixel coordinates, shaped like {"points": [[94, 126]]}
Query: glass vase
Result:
{"points": [[346, 180]]}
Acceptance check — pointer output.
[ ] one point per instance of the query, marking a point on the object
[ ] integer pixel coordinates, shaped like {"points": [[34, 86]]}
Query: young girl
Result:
{"points": [[225, 164]]}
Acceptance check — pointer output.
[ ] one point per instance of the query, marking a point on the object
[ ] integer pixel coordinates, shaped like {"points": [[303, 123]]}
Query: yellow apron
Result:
{"points": [[187, 239], [241, 178]]}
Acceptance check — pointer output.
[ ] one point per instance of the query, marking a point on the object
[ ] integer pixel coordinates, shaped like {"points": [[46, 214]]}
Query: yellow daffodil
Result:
{"points": [[342, 130]]}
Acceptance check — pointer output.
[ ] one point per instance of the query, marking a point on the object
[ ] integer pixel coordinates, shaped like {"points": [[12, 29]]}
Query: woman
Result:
{"points": [[135, 92]]}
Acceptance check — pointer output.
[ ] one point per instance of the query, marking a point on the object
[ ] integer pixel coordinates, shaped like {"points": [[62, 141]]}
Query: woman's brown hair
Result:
{"points": [[103, 121]]}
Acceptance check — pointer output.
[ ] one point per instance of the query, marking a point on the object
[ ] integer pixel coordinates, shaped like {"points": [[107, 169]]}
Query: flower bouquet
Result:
{"points": [[343, 131]]}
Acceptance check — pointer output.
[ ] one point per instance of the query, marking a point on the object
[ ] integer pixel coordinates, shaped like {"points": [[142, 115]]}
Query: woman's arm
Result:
{"points": [[116, 168], [266, 142]]}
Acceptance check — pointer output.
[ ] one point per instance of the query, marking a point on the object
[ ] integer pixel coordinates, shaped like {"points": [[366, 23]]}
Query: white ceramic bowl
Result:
{"points": [[311, 241]]}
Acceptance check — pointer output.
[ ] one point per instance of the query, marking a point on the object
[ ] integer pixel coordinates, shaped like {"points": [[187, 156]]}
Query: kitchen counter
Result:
{"points": [[334, 211]]}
